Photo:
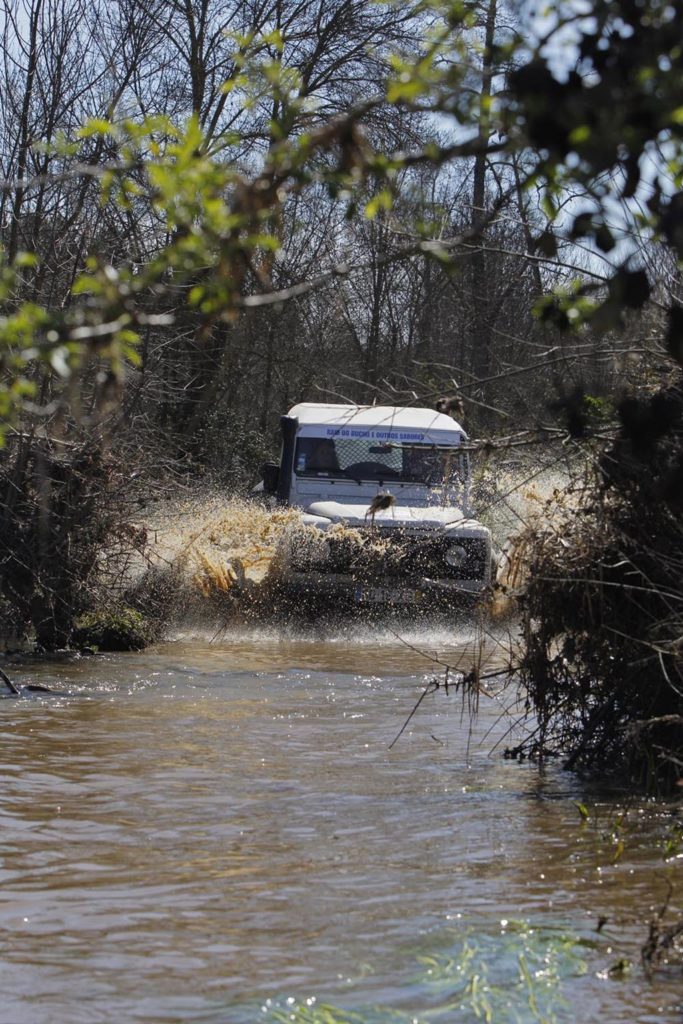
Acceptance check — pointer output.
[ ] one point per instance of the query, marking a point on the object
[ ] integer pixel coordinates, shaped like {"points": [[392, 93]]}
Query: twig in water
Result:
{"points": [[8, 683], [661, 938], [432, 686], [469, 679]]}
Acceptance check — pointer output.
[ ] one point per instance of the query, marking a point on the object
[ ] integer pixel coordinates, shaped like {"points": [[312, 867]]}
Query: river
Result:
{"points": [[220, 832]]}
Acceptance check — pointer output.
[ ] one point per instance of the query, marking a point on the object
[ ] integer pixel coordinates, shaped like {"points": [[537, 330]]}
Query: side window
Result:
{"points": [[425, 466], [316, 456]]}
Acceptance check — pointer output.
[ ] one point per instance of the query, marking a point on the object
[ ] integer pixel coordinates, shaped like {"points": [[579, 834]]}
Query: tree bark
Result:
{"points": [[481, 339]]}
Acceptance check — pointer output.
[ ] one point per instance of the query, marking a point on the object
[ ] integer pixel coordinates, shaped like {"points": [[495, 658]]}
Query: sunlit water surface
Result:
{"points": [[219, 832]]}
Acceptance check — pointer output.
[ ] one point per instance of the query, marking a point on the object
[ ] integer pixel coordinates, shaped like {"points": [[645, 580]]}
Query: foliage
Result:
{"points": [[230, 451], [119, 629], [52, 531], [611, 123], [602, 666], [218, 225], [18, 331], [66, 538]]}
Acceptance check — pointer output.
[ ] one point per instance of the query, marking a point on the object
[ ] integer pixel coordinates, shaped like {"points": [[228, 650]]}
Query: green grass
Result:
{"points": [[518, 974]]}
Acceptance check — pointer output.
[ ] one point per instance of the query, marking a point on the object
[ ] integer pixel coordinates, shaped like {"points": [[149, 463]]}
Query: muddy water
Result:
{"points": [[219, 832]]}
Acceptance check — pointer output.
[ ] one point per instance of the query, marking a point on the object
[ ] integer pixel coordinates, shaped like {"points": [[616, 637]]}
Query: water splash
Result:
{"points": [[226, 552]]}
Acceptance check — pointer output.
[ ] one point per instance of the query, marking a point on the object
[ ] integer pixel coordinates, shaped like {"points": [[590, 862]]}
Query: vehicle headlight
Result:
{"points": [[455, 555]]}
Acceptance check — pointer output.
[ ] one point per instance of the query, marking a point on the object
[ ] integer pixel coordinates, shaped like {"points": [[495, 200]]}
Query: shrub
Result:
{"points": [[122, 629], [602, 608]]}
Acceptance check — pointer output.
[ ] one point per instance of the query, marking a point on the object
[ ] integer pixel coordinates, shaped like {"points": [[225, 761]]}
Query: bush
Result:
{"points": [[228, 449], [602, 608], [123, 629]]}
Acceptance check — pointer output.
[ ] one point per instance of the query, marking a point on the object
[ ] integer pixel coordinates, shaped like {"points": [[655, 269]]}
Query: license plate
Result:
{"points": [[387, 595]]}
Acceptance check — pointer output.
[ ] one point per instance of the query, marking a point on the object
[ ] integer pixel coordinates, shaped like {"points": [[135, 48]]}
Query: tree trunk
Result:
{"points": [[481, 360]]}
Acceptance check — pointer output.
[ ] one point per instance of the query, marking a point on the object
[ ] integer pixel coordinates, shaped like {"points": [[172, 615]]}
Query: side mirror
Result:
{"points": [[270, 471]]}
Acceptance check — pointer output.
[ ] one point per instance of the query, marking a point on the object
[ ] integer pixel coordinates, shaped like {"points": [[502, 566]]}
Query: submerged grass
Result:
{"points": [[518, 975], [311, 1012]]}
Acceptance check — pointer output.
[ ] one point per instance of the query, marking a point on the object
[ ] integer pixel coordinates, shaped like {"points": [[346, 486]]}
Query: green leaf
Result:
{"points": [[383, 200], [96, 126]]}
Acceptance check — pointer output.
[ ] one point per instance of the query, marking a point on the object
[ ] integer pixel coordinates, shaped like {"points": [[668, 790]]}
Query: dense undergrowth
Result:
{"points": [[602, 608]]}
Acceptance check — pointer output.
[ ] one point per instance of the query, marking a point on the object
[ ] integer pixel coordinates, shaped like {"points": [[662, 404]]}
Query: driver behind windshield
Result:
{"points": [[320, 455]]}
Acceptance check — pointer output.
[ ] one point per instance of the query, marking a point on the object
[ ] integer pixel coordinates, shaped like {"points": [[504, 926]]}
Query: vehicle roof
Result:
{"points": [[437, 427]]}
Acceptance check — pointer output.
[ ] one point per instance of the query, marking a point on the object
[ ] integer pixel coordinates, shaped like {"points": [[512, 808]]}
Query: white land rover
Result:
{"points": [[384, 494]]}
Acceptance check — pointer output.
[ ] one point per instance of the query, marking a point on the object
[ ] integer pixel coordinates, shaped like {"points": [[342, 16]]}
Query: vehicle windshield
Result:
{"points": [[359, 459]]}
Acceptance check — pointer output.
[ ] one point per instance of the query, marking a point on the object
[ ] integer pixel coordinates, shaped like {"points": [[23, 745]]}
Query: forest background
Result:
{"points": [[210, 211]]}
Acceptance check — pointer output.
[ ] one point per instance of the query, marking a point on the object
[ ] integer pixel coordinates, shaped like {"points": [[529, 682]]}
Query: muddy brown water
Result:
{"points": [[219, 832]]}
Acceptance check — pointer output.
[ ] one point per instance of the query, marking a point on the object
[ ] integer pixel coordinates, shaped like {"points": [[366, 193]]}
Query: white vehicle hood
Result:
{"points": [[413, 517]]}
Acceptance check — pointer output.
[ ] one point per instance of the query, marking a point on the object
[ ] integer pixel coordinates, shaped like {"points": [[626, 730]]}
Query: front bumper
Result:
{"points": [[389, 592]]}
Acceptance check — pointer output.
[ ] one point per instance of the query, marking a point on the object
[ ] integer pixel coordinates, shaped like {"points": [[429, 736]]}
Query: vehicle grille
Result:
{"points": [[393, 553]]}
